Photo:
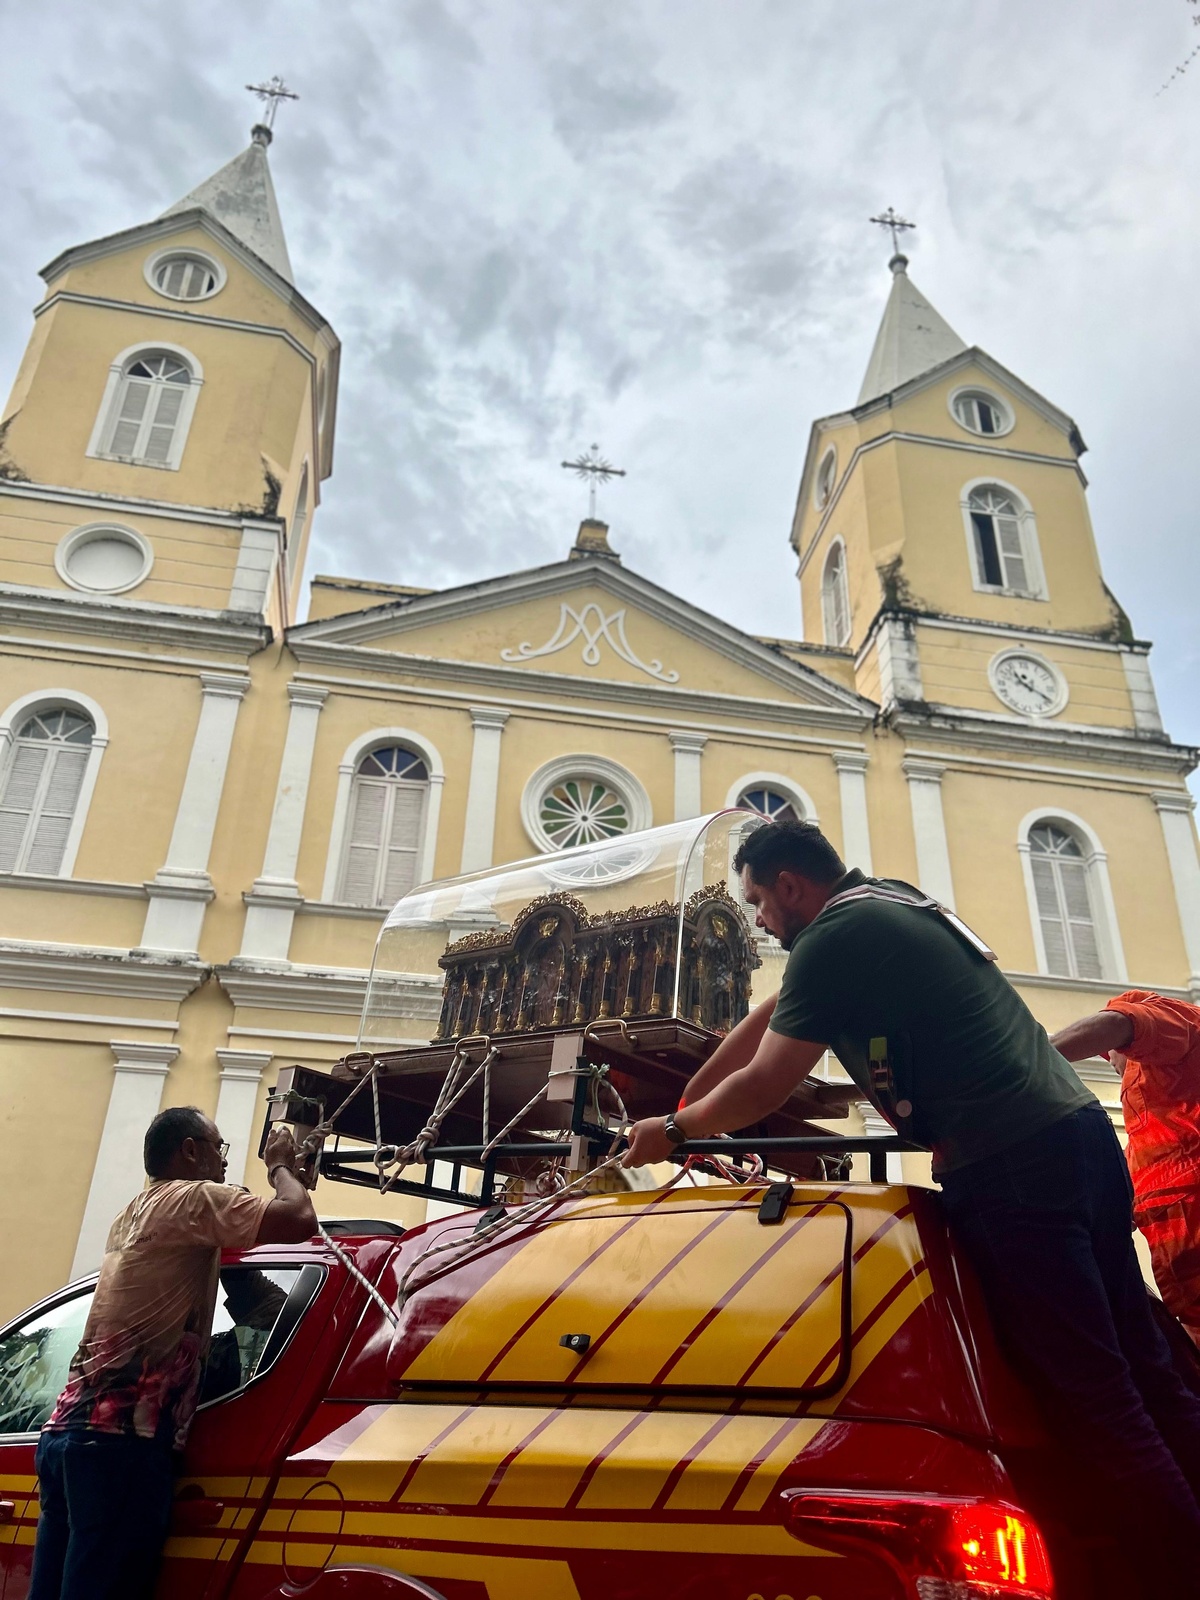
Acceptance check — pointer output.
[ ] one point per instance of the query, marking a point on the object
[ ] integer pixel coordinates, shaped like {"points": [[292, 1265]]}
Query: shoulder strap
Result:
{"points": [[919, 902]]}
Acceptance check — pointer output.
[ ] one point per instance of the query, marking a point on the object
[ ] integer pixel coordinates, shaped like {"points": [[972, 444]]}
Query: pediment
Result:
{"points": [[591, 620]]}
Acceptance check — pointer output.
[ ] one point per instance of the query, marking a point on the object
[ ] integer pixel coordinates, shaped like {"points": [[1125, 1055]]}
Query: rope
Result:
{"points": [[388, 1311]]}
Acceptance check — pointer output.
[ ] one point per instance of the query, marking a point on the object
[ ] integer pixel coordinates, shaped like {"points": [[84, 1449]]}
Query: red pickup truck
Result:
{"points": [[670, 1393]]}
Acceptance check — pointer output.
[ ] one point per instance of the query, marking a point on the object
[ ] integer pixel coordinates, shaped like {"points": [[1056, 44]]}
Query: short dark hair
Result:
{"points": [[789, 846], [165, 1136]]}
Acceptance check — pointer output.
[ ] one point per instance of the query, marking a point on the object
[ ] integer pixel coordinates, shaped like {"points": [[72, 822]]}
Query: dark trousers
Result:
{"points": [[105, 1506], [1048, 1226]]}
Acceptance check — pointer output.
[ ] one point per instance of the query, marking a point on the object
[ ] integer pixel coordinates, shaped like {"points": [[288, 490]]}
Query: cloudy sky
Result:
{"points": [[535, 225]]}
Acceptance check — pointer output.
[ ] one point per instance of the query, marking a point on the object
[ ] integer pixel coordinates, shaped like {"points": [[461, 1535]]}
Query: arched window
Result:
{"points": [[147, 407], [1064, 903], [835, 596], [388, 801], [40, 789], [1003, 541], [770, 803]]}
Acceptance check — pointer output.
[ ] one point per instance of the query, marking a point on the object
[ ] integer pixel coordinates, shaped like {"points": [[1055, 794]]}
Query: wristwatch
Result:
{"points": [[673, 1131]]}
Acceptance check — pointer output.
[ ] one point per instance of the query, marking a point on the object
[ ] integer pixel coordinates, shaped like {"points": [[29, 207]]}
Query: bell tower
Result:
{"points": [[172, 419], [943, 537]]}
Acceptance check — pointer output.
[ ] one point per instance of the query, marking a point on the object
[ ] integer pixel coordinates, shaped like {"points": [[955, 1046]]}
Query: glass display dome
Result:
{"points": [[641, 926]]}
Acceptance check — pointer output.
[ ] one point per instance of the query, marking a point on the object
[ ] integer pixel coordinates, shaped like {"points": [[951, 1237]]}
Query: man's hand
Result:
{"points": [[280, 1148], [647, 1143], [290, 1217]]}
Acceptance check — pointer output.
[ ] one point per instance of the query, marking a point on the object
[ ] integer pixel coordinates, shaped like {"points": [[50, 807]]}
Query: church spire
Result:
{"points": [[241, 197], [912, 337]]}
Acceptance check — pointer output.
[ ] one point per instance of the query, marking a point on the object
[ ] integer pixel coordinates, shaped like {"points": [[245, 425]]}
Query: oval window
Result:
{"points": [[103, 560]]}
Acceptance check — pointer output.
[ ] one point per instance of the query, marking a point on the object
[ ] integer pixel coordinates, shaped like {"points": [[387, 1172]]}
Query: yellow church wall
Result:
{"points": [[936, 553], [141, 772], [118, 274], [46, 1163], [63, 916], [194, 562], [335, 941], [348, 716], [954, 671], [984, 811], [927, 411], [893, 851], [727, 761], [248, 406]]}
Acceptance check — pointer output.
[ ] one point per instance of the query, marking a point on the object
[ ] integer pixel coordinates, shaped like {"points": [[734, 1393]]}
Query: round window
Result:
{"points": [[980, 412], [582, 810], [103, 559], [184, 275]]}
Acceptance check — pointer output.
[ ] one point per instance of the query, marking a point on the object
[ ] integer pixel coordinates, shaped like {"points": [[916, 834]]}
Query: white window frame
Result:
{"points": [[822, 490], [106, 415], [99, 530], [1001, 406], [17, 714], [600, 768], [1100, 895], [348, 766], [153, 262], [801, 800], [1030, 548], [837, 547]]}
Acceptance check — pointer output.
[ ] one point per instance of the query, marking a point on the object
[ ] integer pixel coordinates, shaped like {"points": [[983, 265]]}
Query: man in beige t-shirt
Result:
{"points": [[105, 1457]]}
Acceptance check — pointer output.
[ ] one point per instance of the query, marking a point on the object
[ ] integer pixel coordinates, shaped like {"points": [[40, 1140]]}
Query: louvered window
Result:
{"points": [[835, 597], [388, 803], [1064, 903], [185, 277], [148, 408], [1000, 556], [41, 790]]}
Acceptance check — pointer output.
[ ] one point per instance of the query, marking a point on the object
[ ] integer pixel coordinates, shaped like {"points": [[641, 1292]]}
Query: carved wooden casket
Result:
{"points": [[558, 966]]}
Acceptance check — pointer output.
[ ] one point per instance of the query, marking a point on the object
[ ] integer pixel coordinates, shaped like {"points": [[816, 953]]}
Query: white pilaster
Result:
{"points": [[479, 830], [1174, 809], [241, 1075], [929, 828], [899, 662], [852, 789], [181, 887], [133, 1101], [1142, 698], [256, 564], [688, 747], [274, 898]]}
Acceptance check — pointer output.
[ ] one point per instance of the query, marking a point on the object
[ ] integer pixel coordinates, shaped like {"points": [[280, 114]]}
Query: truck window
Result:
{"points": [[257, 1311], [34, 1357]]}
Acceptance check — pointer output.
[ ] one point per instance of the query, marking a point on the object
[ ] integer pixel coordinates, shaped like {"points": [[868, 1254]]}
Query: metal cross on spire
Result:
{"points": [[594, 468], [272, 92], [895, 224]]}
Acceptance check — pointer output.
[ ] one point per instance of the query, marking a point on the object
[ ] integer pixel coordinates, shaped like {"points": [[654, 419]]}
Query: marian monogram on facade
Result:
{"points": [[594, 628]]}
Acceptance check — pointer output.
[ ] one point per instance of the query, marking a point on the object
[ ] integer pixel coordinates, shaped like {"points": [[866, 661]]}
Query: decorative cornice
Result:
{"points": [[917, 770], [82, 970], [1173, 800], [339, 991], [70, 612], [681, 739], [521, 689], [132, 1055], [1108, 746], [37, 880], [488, 716], [130, 505], [307, 694]]}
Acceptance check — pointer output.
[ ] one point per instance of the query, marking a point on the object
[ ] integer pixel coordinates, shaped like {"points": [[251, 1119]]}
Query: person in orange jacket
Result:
{"points": [[1155, 1045]]}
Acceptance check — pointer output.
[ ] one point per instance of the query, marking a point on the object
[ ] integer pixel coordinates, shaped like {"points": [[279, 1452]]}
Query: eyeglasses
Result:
{"points": [[221, 1146]]}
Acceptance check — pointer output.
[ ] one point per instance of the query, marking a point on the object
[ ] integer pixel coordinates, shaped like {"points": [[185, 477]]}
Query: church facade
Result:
{"points": [[207, 805]]}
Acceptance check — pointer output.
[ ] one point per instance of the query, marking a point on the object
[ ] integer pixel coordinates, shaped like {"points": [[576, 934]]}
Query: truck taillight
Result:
{"points": [[943, 1548]]}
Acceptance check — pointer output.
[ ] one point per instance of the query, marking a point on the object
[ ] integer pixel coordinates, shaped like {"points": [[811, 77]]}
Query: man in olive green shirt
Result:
{"points": [[1033, 1178]]}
